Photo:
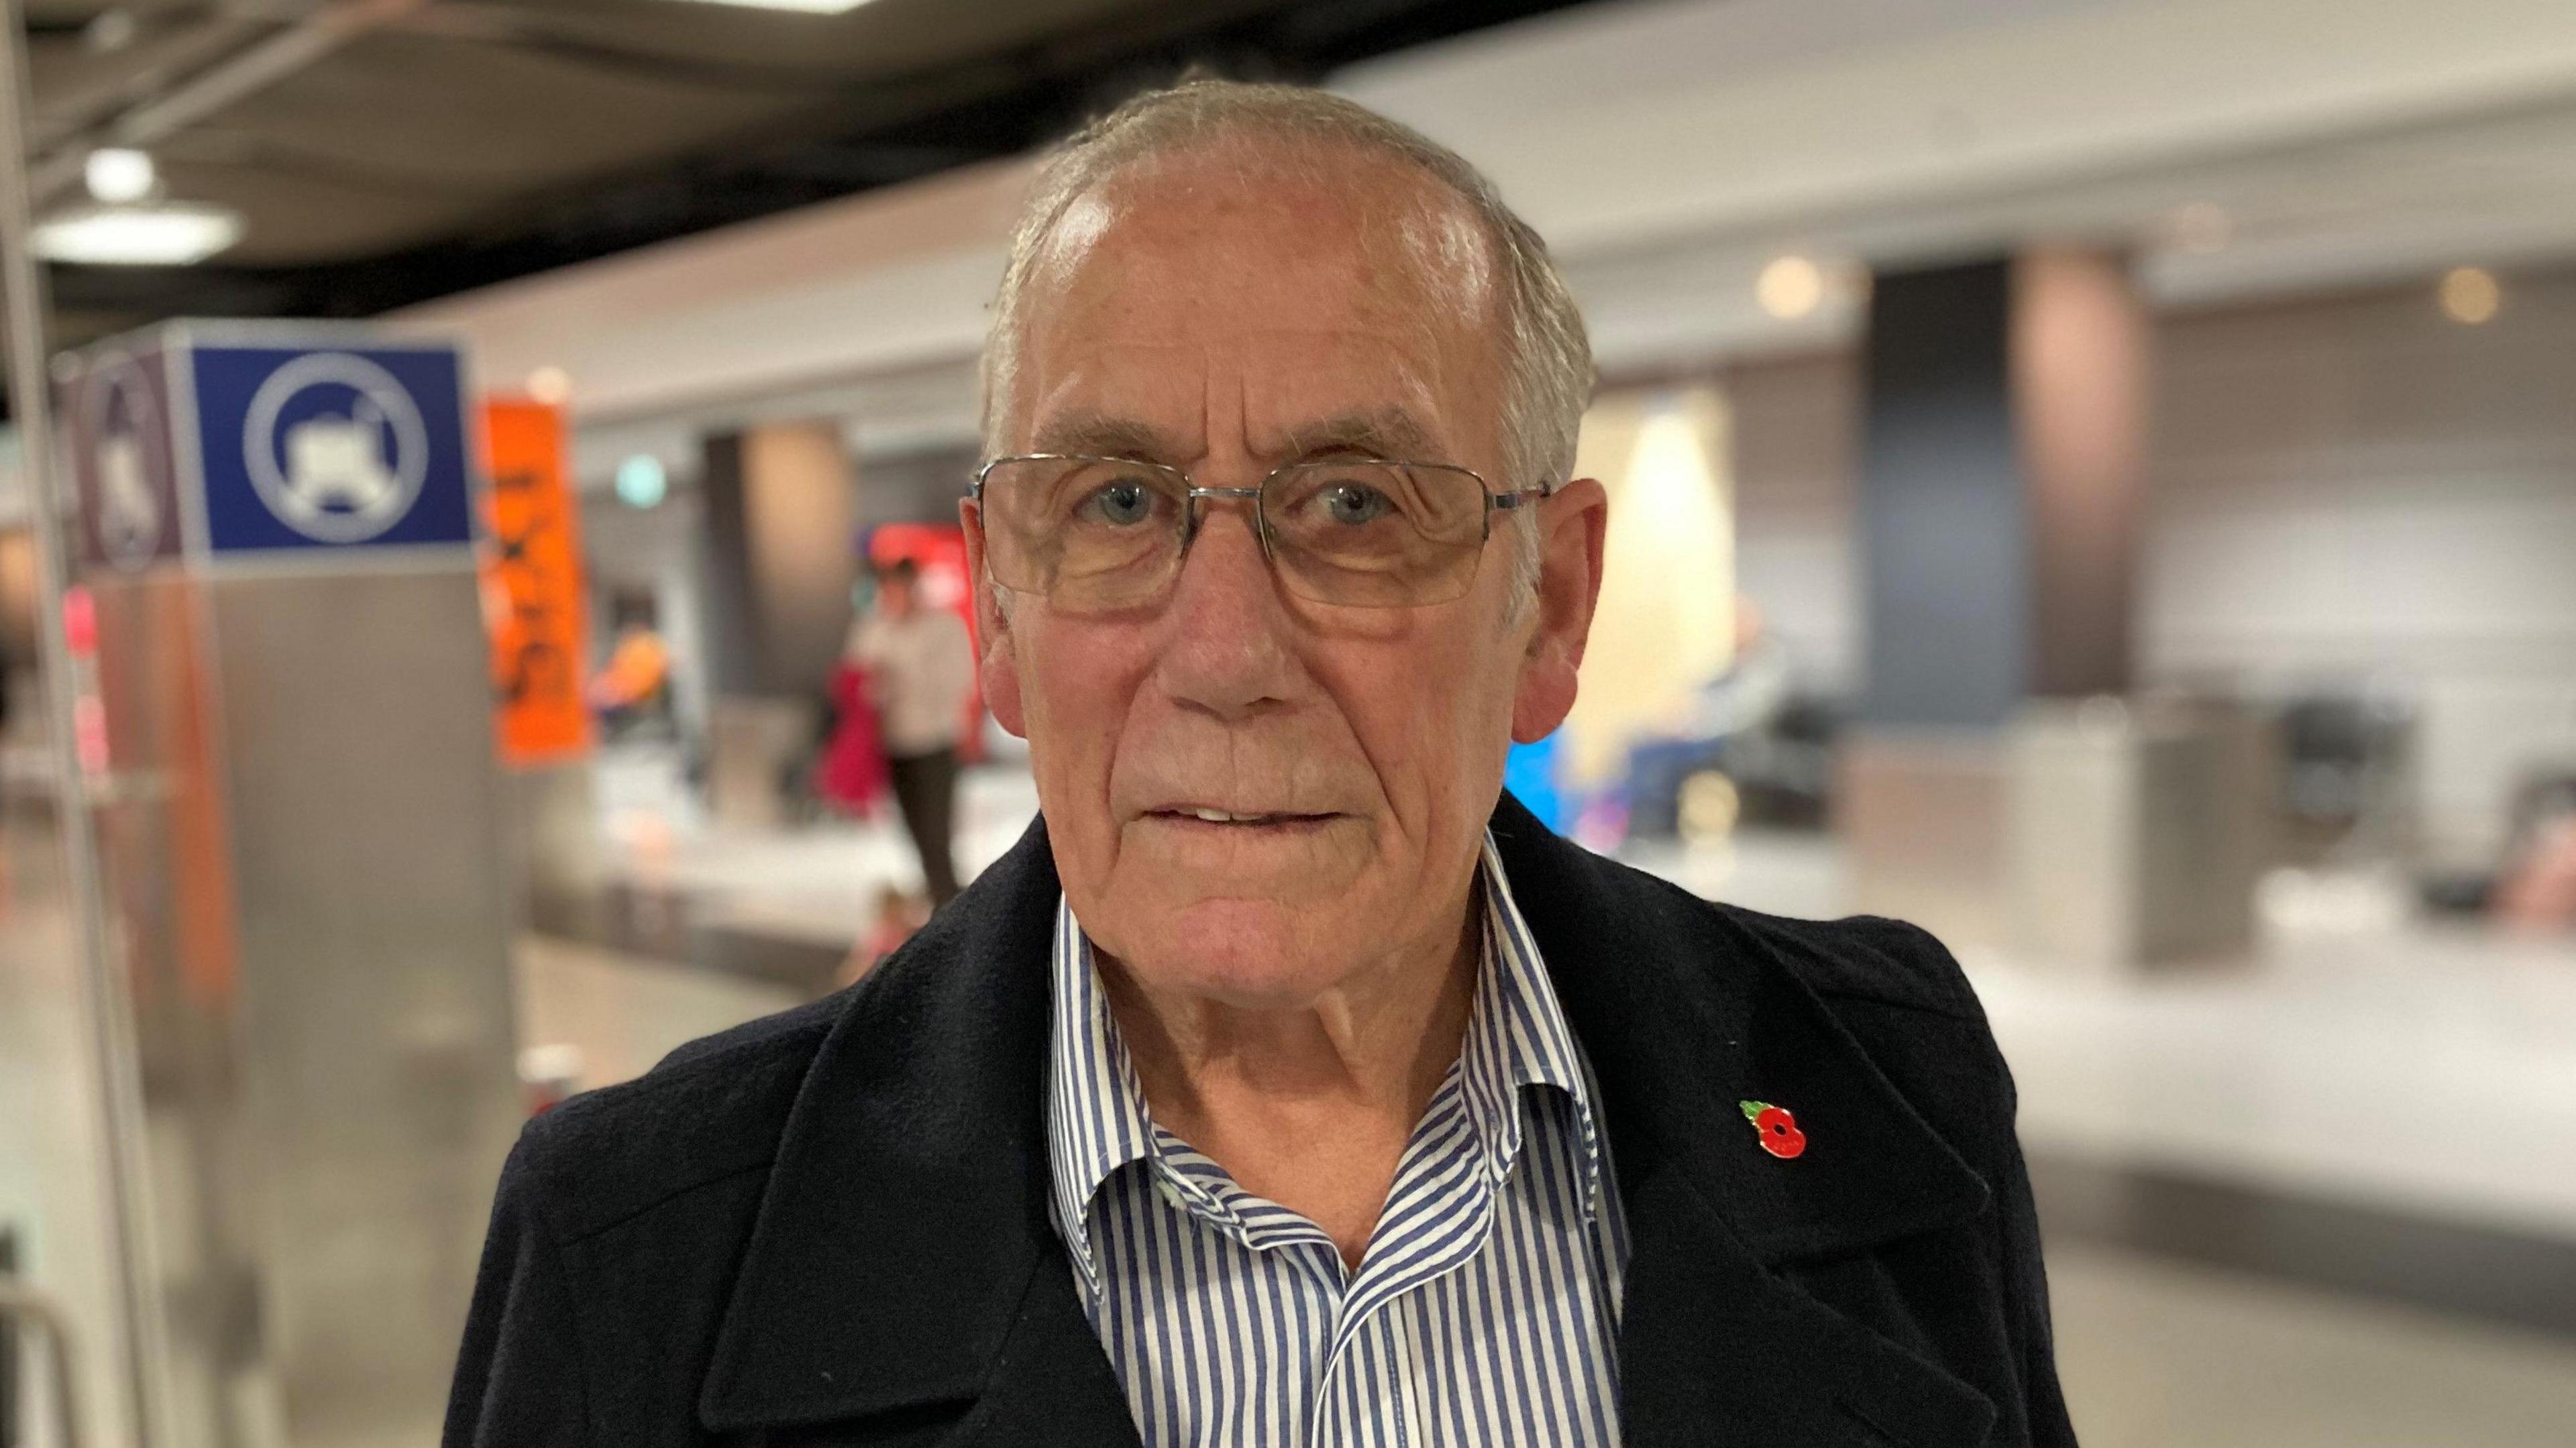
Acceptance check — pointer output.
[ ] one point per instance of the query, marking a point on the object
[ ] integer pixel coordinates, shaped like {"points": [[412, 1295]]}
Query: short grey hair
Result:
{"points": [[1548, 358]]}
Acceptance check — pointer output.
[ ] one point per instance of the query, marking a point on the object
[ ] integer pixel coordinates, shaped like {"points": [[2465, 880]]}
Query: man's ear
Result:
{"points": [[1571, 523], [997, 671]]}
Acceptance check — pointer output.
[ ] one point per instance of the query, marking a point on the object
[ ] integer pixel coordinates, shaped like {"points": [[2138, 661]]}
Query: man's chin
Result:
{"points": [[1242, 872], [1245, 953]]}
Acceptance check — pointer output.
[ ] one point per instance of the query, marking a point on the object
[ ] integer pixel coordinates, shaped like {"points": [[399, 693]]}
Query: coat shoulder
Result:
{"points": [[712, 1110], [1866, 957]]}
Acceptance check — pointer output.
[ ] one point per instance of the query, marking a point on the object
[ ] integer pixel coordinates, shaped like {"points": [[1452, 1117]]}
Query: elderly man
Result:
{"points": [[1288, 1083]]}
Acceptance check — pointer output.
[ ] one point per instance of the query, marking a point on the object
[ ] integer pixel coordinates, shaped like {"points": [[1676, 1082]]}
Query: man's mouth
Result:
{"points": [[1195, 815]]}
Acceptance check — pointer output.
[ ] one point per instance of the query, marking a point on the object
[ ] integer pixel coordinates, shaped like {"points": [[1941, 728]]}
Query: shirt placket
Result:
{"points": [[1375, 1355]]}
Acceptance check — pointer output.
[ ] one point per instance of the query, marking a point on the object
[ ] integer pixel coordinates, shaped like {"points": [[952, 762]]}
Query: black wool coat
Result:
{"points": [[831, 1227]]}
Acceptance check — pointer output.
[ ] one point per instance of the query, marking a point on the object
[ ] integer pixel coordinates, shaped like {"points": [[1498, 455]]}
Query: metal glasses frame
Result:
{"points": [[1191, 492]]}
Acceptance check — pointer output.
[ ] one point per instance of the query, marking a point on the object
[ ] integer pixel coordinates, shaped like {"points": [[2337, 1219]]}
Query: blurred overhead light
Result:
{"points": [[168, 234], [1790, 287], [109, 31], [811, 7], [550, 385], [2470, 295], [2203, 226], [118, 174], [642, 481]]}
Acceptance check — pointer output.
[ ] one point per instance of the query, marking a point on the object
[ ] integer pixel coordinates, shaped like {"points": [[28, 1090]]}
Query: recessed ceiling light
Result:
{"points": [[1790, 287], [2470, 295], [810, 7], [119, 174], [170, 234], [109, 31]]}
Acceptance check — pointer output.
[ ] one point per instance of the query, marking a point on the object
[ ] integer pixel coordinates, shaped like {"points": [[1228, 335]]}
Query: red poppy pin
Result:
{"points": [[1777, 1128]]}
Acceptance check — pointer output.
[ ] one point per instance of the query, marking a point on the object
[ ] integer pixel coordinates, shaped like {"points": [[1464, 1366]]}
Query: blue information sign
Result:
{"points": [[328, 443]]}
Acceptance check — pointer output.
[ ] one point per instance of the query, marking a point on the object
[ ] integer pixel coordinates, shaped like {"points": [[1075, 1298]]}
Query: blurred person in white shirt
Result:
{"points": [[921, 664]]}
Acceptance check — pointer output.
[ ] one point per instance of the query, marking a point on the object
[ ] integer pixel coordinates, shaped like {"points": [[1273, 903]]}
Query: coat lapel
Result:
{"points": [[902, 1262], [1684, 1013]]}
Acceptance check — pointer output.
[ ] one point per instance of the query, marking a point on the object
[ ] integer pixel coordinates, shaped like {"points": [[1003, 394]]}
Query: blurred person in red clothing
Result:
{"points": [[2539, 890], [852, 777]]}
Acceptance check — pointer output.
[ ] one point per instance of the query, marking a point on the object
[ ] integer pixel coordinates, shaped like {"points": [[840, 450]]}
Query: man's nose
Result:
{"points": [[1226, 648]]}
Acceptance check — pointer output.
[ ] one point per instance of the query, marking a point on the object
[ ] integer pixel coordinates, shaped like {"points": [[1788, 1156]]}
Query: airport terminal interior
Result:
{"points": [[2095, 478]]}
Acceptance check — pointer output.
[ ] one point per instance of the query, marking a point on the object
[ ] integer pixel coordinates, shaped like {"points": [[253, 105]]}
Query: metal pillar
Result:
{"points": [[139, 1348]]}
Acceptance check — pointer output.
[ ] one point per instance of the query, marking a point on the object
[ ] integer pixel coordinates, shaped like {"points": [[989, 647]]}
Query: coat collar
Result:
{"points": [[903, 1257]]}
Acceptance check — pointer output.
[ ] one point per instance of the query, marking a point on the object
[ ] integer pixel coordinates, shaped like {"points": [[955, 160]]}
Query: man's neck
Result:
{"points": [[1311, 1108]]}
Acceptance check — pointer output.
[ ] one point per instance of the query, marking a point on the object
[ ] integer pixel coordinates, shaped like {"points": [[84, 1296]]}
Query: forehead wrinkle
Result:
{"points": [[1390, 432], [1105, 435]]}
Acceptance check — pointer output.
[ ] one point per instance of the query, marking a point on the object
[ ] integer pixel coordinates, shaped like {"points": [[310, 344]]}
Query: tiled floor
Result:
{"points": [[622, 1013], [2433, 1070], [819, 882], [51, 1132], [2159, 1355]]}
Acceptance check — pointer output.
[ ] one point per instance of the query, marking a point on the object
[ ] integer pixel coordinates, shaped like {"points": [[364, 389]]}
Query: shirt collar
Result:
{"points": [[1517, 1037], [1096, 1121]]}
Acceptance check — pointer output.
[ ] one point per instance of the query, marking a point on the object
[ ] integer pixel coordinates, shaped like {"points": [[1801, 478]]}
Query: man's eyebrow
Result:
{"points": [[1390, 433], [1099, 435]]}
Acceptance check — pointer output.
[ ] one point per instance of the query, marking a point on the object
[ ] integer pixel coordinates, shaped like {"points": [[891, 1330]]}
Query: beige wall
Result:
{"points": [[1797, 466], [2339, 490], [800, 506], [2359, 487]]}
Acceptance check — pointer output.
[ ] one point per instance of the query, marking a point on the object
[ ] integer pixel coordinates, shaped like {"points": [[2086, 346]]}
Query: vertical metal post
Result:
{"points": [[22, 288], [22, 1304]]}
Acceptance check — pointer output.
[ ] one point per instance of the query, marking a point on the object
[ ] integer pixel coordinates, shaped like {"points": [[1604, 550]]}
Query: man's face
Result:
{"points": [[1224, 317]]}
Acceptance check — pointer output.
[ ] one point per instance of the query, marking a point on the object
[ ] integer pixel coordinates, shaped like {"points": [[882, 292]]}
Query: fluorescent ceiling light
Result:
{"points": [[118, 174], [810, 7], [164, 235]]}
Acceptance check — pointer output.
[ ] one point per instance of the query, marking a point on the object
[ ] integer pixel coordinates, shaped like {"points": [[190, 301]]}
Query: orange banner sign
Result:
{"points": [[532, 585]]}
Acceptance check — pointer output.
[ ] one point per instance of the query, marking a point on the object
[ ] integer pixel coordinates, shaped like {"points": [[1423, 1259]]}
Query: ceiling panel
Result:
{"points": [[461, 142], [881, 38], [472, 121]]}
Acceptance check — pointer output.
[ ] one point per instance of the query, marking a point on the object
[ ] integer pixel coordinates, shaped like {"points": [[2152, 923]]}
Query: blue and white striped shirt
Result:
{"points": [[1486, 1309]]}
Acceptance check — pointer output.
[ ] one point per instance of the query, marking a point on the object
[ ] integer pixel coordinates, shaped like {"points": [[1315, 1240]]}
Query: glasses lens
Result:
{"points": [[1085, 532], [1376, 535]]}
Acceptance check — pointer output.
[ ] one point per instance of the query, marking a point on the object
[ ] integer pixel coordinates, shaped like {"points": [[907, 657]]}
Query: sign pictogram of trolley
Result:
{"points": [[230, 444]]}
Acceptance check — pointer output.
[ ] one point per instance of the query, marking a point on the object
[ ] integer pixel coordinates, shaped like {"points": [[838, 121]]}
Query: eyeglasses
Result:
{"points": [[1097, 533]]}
